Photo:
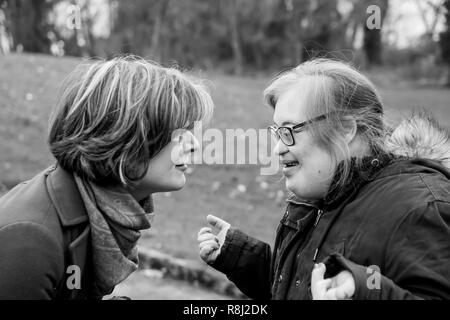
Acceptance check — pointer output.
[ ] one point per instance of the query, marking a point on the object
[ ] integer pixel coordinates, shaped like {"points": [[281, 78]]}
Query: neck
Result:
{"points": [[138, 194]]}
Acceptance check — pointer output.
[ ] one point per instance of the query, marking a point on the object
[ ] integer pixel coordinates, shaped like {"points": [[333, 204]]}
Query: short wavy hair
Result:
{"points": [[113, 117]]}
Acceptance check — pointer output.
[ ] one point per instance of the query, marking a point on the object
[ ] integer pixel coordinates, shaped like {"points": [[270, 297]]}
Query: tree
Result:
{"points": [[436, 8], [159, 15], [373, 46], [139, 26], [232, 9], [445, 39], [28, 23], [5, 37], [309, 27]]}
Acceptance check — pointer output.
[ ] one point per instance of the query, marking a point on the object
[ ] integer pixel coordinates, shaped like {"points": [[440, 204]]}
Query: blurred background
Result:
{"points": [[238, 46]]}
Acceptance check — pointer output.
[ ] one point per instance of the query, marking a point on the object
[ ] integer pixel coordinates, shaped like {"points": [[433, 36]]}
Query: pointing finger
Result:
{"points": [[217, 222]]}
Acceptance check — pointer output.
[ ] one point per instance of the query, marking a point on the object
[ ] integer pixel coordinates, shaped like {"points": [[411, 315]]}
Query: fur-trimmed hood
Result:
{"points": [[421, 136]]}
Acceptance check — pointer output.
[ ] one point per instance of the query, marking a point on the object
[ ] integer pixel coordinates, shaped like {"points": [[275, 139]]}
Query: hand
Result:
{"points": [[340, 287], [209, 243]]}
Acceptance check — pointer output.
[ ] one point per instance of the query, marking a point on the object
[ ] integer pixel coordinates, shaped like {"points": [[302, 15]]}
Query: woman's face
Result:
{"points": [[166, 171], [308, 168]]}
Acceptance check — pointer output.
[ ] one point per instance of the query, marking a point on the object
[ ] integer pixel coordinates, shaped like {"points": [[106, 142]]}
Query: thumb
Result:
{"points": [[217, 222], [338, 293], [318, 273]]}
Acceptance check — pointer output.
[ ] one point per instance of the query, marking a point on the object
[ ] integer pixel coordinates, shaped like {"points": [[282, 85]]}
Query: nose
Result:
{"points": [[191, 143], [280, 148]]}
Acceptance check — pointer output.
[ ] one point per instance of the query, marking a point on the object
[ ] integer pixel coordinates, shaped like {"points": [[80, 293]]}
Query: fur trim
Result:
{"points": [[421, 136]]}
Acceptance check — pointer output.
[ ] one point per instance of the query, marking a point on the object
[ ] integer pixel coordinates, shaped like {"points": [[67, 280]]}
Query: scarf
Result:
{"points": [[116, 219]]}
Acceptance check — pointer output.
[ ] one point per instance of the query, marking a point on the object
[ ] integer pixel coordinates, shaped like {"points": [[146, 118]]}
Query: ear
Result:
{"points": [[350, 127]]}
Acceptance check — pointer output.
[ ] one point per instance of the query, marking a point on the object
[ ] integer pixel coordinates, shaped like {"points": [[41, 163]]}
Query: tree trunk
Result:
{"points": [[29, 24], [88, 30], [235, 37], [161, 10], [373, 45], [295, 36], [448, 76]]}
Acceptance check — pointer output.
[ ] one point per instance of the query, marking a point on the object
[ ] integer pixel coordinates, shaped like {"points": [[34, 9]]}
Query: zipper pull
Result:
{"points": [[315, 254], [319, 215]]}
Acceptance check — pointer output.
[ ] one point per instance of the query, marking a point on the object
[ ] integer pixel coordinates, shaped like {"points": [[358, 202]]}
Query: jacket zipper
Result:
{"points": [[319, 215], [278, 234]]}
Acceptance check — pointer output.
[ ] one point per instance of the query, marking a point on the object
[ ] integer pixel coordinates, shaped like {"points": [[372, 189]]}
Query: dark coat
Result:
{"points": [[398, 224], [44, 229], [396, 221]]}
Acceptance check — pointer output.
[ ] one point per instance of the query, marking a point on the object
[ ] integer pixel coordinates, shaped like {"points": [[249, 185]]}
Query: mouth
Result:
{"points": [[290, 165], [182, 167]]}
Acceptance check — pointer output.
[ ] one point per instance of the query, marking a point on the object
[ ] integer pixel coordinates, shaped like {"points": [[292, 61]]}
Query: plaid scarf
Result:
{"points": [[116, 219]]}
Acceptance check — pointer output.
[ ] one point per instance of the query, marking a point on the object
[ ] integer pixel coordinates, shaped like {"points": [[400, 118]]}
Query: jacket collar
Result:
{"points": [[299, 212], [65, 197], [403, 165], [367, 171]]}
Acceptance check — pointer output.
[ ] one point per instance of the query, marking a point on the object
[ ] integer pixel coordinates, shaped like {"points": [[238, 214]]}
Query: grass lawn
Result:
{"points": [[141, 285], [28, 90]]}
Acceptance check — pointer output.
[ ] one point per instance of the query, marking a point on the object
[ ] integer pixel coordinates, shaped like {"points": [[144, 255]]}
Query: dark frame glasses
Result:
{"points": [[286, 134]]}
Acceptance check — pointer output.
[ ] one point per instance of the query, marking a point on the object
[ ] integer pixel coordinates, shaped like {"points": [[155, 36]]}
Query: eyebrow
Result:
{"points": [[284, 123]]}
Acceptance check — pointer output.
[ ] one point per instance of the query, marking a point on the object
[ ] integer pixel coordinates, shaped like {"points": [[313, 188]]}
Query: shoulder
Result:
{"points": [[400, 195], [403, 194], [29, 247], [28, 218], [51, 199], [405, 186], [28, 235], [406, 210], [28, 201], [32, 261]]}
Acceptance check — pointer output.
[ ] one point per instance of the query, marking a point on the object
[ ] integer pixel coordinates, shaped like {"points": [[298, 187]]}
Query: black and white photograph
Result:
{"points": [[223, 154]]}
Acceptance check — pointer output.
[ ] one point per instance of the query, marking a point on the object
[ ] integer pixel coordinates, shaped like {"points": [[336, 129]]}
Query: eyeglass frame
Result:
{"points": [[295, 129]]}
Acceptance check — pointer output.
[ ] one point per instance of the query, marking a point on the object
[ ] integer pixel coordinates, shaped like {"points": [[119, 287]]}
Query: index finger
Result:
{"points": [[216, 222]]}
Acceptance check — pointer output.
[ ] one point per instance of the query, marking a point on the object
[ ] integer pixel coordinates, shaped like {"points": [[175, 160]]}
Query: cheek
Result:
{"points": [[321, 164], [316, 171], [161, 162], [161, 165], [173, 153]]}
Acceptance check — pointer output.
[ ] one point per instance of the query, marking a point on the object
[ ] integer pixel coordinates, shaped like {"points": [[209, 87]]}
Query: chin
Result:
{"points": [[177, 188], [296, 189], [178, 185], [290, 185], [292, 189]]}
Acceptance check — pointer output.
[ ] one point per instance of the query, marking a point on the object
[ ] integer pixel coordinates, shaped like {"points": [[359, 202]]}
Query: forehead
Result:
{"points": [[293, 104]]}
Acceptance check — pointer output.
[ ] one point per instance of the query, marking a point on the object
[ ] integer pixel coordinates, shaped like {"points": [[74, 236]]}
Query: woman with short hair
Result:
{"points": [[119, 133], [370, 208]]}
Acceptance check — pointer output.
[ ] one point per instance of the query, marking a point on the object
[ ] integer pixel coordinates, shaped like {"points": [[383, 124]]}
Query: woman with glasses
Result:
{"points": [[119, 133], [370, 207]]}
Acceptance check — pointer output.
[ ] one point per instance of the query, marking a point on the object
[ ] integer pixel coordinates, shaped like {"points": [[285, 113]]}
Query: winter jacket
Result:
{"points": [[390, 229]]}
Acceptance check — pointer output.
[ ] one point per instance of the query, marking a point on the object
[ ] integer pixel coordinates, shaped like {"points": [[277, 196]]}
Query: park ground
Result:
{"points": [[238, 194]]}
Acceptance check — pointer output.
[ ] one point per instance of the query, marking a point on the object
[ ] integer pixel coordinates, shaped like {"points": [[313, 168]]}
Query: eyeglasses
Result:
{"points": [[286, 134]]}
